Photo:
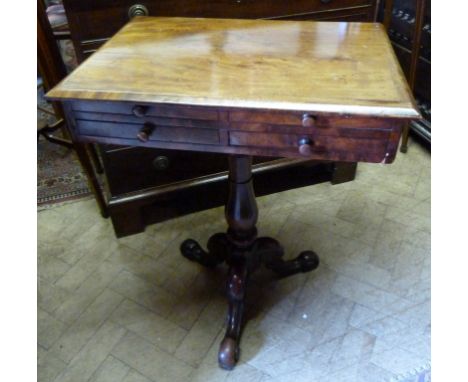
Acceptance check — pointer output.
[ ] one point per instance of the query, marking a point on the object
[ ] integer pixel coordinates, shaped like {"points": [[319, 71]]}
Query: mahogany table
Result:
{"points": [[322, 90]]}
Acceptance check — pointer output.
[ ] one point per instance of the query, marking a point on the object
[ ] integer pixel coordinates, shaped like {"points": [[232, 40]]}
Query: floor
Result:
{"points": [[134, 310]]}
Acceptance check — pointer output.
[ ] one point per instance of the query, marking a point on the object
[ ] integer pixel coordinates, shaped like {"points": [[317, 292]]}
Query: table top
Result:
{"points": [[329, 67]]}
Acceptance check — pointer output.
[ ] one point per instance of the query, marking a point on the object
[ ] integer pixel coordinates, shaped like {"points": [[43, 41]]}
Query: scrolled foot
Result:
{"points": [[191, 250], [305, 262], [308, 261], [228, 353]]}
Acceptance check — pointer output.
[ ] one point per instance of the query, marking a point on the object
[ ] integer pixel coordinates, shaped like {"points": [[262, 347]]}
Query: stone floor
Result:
{"points": [[132, 309]]}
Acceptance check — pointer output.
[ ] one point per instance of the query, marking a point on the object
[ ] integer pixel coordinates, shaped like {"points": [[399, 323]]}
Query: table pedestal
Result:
{"points": [[243, 251]]}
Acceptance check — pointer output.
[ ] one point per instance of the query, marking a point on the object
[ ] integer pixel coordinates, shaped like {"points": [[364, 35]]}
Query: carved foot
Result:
{"points": [[272, 252], [229, 348], [228, 353], [307, 261], [217, 248]]}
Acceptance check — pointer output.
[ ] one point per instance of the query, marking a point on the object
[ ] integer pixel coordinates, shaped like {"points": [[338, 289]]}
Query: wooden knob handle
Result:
{"points": [[308, 120], [305, 146], [145, 132], [139, 110]]}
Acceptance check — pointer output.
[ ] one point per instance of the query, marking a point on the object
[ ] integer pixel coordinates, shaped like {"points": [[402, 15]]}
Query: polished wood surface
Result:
{"points": [[316, 66]]}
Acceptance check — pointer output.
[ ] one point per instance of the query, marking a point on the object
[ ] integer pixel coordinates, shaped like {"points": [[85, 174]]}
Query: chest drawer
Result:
{"points": [[320, 137], [102, 19], [130, 168], [123, 122], [146, 133], [321, 147], [105, 110]]}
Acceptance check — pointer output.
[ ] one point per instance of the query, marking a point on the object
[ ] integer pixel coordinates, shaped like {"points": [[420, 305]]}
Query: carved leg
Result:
{"points": [[271, 254], [216, 254], [229, 347]]}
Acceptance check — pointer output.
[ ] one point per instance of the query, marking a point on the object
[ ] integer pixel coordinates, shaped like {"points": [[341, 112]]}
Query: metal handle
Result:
{"points": [[139, 111], [305, 146], [137, 10], [145, 132], [308, 120], [325, 1]]}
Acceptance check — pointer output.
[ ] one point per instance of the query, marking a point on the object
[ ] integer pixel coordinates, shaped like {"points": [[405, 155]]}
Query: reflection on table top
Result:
{"points": [[333, 67]]}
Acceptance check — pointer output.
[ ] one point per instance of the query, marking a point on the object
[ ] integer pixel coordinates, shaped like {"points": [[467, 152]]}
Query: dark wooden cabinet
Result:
{"points": [[149, 185], [402, 29]]}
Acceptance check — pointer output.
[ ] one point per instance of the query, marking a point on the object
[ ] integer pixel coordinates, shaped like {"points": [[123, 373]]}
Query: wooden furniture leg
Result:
{"points": [[95, 158], [94, 185], [404, 138], [243, 252], [343, 172]]}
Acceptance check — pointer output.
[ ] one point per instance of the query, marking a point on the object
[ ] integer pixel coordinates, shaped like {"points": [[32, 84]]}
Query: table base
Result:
{"points": [[244, 252]]}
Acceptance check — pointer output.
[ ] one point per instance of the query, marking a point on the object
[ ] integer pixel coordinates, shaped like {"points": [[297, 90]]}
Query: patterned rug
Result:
{"points": [[59, 174]]}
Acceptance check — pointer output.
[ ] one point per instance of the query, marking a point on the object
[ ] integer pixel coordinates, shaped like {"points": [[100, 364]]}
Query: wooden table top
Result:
{"points": [[336, 67]]}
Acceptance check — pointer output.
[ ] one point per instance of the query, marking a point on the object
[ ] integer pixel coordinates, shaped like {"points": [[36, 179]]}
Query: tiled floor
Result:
{"points": [[132, 309]]}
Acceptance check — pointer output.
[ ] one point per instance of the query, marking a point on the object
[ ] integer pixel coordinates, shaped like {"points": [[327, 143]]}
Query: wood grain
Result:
{"points": [[346, 68]]}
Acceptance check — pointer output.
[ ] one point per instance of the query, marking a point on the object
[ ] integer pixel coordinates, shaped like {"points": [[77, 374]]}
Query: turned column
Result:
{"points": [[243, 252], [241, 215], [241, 208]]}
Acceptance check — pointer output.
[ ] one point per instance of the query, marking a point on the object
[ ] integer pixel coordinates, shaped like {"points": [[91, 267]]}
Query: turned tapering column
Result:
{"points": [[243, 252]]}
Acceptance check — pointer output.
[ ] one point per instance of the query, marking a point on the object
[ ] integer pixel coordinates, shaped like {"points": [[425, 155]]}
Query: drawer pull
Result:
{"points": [[137, 10], [308, 120], [325, 1], [139, 111], [161, 163], [145, 132], [305, 146]]}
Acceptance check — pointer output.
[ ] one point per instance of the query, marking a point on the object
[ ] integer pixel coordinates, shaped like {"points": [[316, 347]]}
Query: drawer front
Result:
{"points": [[124, 122], [154, 133], [321, 147], [139, 110], [300, 120], [321, 137], [135, 168]]}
